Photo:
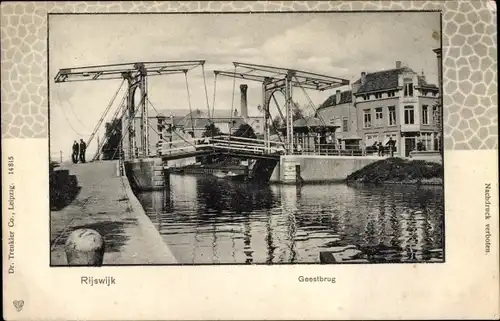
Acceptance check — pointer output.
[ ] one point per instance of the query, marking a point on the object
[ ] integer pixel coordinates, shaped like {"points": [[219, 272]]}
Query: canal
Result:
{"points": [[206, 220]]}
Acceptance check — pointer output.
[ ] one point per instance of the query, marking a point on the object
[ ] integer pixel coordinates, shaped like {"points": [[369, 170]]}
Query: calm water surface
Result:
{"points": [[208, 220]]}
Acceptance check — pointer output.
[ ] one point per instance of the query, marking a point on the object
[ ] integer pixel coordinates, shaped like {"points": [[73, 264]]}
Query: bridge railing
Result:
{"points": [[329, 150], [222, 142], [255, 140]]}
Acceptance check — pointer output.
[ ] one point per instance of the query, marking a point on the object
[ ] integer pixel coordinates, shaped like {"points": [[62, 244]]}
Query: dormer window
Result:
{"points": [[408, 88], [391, 94], [366, 97], [378, 95]]}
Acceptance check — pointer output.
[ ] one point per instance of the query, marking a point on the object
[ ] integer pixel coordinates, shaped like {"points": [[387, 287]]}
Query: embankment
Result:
{"points": [[316, 169], [399, 171]]}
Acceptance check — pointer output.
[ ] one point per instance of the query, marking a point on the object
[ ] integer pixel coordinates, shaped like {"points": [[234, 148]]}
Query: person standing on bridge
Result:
{"points": [[83, 148], [74, 155], [392, 144]]}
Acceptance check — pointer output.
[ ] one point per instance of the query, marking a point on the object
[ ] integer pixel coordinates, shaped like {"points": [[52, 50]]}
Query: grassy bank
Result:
{"points": [[399, 171]]}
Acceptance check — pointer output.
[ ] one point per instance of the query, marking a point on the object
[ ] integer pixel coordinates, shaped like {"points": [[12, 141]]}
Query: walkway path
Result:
{"points": [[101, 200]]}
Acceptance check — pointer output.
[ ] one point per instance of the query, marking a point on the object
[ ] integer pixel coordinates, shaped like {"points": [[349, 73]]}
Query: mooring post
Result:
{"points": [[85, 247]]}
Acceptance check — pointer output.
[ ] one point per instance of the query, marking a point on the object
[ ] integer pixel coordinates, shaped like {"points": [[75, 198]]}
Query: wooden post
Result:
{"points": [[85, 247]]}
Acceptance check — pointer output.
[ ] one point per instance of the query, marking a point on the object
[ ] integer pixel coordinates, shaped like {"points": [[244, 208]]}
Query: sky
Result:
{"points": [[335, 44]]}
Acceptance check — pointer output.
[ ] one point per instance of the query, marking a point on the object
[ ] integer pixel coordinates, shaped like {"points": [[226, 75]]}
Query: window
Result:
{"points": [[367, 118], [345, 124], [378, 95], [408, 89], [379, 122], [425, 115], [366, 97], [409, 115], [257, 121], [435, 116], [392, 115], [391, 94], [388, 136], [371, 139], [426, 139]]}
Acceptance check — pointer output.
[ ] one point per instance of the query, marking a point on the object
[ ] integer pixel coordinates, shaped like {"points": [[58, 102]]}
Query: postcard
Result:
{"points": [[250, 160]]}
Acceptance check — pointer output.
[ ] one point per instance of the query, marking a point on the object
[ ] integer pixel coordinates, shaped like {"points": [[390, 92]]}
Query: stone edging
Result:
{"points": [[145, 222]]}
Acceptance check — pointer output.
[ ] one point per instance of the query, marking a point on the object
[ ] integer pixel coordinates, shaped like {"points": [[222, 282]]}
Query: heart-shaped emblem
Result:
{"points": [[18, 304]]}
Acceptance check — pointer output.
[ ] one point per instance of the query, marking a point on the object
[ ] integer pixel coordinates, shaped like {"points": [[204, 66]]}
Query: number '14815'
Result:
{"points": [[10, 165]]}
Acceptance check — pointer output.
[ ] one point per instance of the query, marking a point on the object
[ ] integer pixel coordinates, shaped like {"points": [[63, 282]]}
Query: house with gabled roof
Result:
{"points": [[397, 103]]}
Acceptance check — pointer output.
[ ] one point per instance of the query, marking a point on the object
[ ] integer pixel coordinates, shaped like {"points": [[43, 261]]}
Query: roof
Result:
{"points": [[308, 121], [387, 79], [169, 112], [345, 97], [200, 119]]}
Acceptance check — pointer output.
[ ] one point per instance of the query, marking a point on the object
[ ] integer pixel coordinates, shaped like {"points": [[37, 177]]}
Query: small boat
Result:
{"points": [[229, 175], [219, 174], [238, 177]]}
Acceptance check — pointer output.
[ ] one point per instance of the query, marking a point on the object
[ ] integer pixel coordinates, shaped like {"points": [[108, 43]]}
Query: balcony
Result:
{"points": [[409, 100], [410, 127]]}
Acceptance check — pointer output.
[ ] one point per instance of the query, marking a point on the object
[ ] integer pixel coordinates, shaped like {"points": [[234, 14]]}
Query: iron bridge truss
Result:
{"points": [[136, 76], [281, 79]]}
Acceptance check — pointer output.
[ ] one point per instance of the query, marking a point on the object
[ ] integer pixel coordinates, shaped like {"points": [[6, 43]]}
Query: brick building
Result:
{"points": [[397, 103]]}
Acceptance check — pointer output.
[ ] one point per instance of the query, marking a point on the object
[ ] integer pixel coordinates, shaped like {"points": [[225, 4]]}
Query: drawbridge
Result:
{"points": [[137, 147]]}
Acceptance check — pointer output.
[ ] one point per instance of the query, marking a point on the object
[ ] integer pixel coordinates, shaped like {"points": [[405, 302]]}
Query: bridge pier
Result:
{"points": [[262, 169], [147, 174]]}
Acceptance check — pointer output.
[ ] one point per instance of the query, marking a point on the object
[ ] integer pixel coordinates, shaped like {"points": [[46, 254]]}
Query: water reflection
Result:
{"points": [[206, 220]]}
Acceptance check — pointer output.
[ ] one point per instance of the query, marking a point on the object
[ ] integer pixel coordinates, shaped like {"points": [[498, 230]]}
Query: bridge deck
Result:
{"points": [[214, 151], [239, 147]]}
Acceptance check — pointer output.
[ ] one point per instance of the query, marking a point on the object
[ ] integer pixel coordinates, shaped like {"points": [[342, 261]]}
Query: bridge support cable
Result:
{"points": [[157, 112], [215, 92], [232, 105], [69, 123], [123, 110], [311, 104], [281, 115], [189, 102], [73, 112], [206, 92], [99, 123], [278, 107], [131, 120]]}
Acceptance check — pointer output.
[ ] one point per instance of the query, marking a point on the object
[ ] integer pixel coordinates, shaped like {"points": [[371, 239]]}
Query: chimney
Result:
{"points": [[363, 78], [337, 97], [244, 105], [398, 64]]}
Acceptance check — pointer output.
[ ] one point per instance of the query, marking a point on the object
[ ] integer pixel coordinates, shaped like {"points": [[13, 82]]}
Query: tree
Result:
{"points": [[276, 125], [113, 137], [211, 130], [298, 113], [245, 130]]}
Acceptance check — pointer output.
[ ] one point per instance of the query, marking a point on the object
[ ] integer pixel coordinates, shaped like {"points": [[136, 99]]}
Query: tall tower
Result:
{"points": [[244, 101]]}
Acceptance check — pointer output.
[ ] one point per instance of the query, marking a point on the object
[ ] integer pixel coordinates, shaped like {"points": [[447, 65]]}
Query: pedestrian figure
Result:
{"points": [[74, 155], [83, 148], [380, 149], [391, 144]]}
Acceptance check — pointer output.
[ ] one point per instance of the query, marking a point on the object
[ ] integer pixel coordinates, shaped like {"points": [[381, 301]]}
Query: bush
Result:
{"points": [[393, 170]]}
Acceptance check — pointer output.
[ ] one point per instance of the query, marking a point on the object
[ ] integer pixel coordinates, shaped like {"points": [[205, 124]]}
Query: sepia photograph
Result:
{"points": [[237, 138]]}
